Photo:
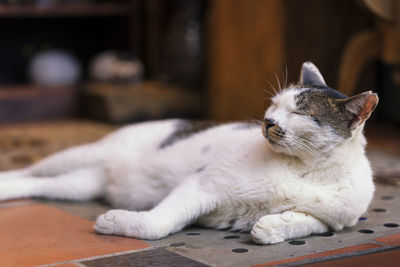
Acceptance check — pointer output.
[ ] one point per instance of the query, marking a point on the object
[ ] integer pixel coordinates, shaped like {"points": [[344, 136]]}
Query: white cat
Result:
{"points": [[302, 171]]}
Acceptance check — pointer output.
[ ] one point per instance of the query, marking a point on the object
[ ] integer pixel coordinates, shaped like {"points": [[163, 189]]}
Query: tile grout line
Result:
{"points": [[78, 261], [16, 204]]}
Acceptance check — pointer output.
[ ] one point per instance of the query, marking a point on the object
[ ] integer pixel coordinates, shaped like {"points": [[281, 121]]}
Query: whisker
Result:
{"points": [[309, 142], [273, 88], [303, 147], [286, 76], [279, 83], [287, 148], [269, 92], [251, 119], [302, 139]]}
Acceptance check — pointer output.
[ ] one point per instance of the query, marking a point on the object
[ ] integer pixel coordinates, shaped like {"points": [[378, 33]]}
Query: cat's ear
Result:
{"points": [[310, 75], [358, 108]]}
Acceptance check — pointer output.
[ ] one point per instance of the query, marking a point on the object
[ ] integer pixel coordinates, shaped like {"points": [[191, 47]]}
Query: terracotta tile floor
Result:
{"points": [[46, 232], [51, 233], [36, 234]]}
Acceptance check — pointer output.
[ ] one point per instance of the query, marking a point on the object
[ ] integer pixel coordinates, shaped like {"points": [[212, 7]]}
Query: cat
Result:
{"points": [[301, 171]]}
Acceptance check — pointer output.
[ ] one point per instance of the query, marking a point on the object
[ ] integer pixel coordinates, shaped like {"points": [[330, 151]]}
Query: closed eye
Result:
{"points": [[304, 114]]}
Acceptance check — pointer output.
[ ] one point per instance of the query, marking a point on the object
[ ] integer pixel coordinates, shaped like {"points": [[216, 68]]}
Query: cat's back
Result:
{"points": [[175, 134]]}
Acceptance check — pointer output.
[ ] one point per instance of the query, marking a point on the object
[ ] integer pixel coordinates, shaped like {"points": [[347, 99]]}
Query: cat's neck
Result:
{"points": [[335, 160]]}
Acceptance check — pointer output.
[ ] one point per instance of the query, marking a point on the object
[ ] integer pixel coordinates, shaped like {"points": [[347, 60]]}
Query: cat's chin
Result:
{"points": [[278, 148], [275, 146]]}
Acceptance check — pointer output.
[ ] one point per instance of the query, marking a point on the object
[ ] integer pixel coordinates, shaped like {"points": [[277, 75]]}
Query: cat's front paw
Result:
{"points": [[130, 224], [111, 223], [267, 231]]}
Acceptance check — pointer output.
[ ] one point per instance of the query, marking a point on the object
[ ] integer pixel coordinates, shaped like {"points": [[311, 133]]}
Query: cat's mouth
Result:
{"points": [[272, 142], [273, 134]]}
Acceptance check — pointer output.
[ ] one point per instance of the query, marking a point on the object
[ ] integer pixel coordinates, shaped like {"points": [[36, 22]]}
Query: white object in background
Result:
{"points": [[54, 67], [114, 66]]}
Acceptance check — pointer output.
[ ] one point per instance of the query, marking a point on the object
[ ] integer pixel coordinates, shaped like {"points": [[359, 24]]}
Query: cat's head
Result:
{"points": [[310, 117]]}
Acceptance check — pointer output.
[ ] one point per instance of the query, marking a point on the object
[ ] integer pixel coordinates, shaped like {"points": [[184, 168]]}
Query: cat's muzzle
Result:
{"points": [[272, 131]]}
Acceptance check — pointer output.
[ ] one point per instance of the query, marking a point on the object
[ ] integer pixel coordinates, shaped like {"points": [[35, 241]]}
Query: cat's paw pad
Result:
{"points": [[266, 232], [110, 223]]}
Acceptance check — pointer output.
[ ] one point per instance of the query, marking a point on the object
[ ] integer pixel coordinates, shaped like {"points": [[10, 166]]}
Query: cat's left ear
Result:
{"points": [[310, 75], [358, 108]]}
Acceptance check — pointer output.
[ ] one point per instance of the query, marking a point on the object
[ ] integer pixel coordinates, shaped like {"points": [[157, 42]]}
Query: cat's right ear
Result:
{"points": [[310, 75], [358, 108]]}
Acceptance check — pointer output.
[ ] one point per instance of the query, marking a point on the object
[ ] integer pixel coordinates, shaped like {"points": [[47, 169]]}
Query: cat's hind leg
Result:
{"points": [[83, 156], [13, 173], [82, 184], [182, 207], [275, 228]]}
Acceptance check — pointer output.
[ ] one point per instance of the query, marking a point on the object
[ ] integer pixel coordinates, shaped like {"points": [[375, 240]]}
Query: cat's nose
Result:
{"points": [[269, 123]]}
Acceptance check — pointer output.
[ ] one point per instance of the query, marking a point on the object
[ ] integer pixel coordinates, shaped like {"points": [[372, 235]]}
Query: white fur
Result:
{"points": [[225, 177]]}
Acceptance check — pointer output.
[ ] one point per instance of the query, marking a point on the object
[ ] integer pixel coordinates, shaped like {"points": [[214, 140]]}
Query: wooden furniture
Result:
{"points": [[245, 52], [252, 45], [29, 102], [249, 46], [83, 29], [144, 101], [380, 42]]}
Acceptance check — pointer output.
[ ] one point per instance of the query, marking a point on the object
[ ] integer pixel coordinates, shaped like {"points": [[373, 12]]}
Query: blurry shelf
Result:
{"points": [[15, 91], [30, 102], [147, 100], [71, 10]]}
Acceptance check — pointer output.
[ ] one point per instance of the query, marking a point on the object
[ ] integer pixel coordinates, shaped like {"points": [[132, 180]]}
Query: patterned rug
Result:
{"points": [[24, 144]]}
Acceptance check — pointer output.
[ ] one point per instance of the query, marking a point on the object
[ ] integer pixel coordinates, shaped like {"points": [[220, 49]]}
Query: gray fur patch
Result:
{"points": [[319, 104], [206, 149], [200, 169], [185, 129]]}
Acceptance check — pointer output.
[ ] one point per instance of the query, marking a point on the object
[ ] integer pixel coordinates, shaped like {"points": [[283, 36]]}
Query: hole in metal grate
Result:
{"points": [[179, 244], [379, 210], [296, 242], [325, 234], [391, 225], [387, 197], [231, 237], [362, 218], [366, 231], [240, 250]]}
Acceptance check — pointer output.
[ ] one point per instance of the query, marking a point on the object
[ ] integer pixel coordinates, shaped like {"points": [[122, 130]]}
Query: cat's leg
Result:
{"points": [[13, 173], [275, 228], [81, 184], [182, 207], [73, 158]]}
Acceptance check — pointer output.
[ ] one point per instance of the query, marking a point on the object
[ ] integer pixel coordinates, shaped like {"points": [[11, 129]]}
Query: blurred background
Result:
{"points": [[99, 64]]}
